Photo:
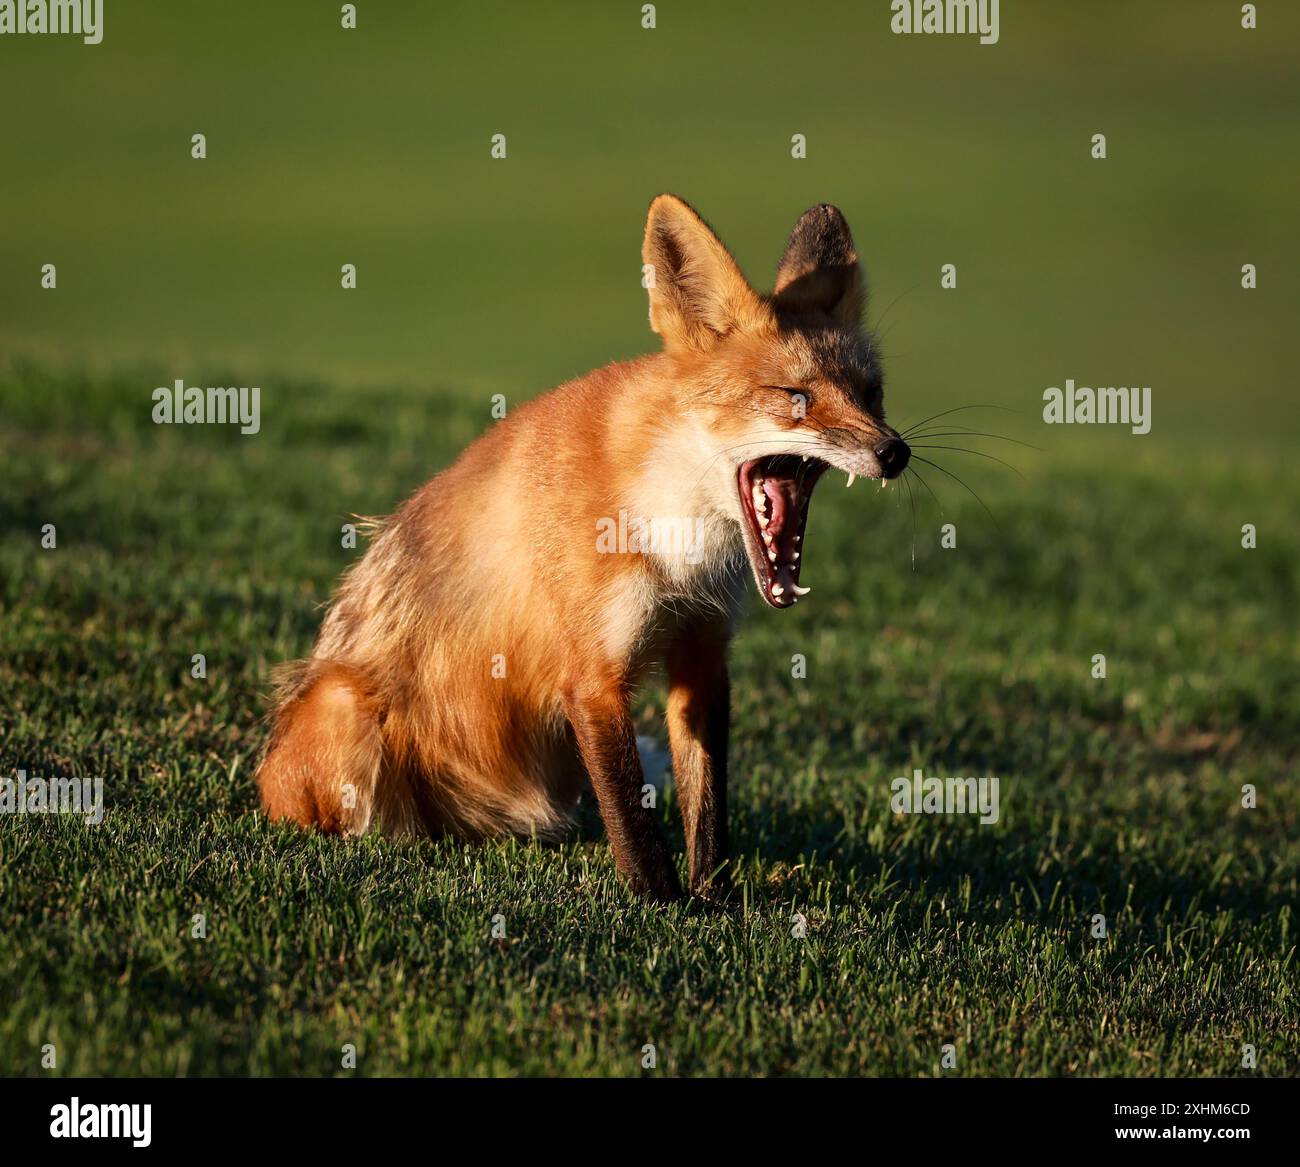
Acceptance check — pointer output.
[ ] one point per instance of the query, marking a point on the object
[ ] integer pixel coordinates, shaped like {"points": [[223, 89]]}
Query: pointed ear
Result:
{"points": [[697, 293], [820, 271]]}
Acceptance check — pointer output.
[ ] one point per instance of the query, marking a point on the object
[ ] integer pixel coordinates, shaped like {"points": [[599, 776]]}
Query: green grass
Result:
{"points": [[1119, 796]]}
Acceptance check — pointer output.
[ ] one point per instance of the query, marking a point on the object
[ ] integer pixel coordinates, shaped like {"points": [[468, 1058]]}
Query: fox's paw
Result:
{"points": [[715, 889]]}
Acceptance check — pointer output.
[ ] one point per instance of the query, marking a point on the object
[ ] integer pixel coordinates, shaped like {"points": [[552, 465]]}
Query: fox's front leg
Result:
{"points": [[699, 721], [602, 724]]}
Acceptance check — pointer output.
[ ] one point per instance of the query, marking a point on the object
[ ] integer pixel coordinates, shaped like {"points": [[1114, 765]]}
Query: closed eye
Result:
{"points": [[793, 393]]}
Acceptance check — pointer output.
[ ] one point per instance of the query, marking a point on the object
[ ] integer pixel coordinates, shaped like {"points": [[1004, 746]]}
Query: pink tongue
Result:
{"points": [[782, 522], [775, 490]]}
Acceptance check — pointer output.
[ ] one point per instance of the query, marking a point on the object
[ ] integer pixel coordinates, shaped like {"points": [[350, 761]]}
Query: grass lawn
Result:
{"points": [[1119, 796]]}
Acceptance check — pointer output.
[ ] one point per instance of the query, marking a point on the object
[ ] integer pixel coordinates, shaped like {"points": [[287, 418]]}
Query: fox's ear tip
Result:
{"points": [[824, 211], [821, 229], [666, 200]]}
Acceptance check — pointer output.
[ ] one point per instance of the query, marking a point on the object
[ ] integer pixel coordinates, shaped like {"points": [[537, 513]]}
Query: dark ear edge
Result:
{"points": [[820, 270]]}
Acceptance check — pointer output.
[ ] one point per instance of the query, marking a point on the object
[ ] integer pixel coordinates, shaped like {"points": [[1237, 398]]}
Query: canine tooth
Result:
{"points": [[778, 590], [850, 482], [805, 457], [798, 591], [796, 555], [771, 554]]}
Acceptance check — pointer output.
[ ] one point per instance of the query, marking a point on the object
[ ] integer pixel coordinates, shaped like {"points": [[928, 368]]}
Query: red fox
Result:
{"points": [[475, 670]]}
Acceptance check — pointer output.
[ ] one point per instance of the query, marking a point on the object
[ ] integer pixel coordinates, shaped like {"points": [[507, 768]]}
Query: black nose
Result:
{"points": [[893, 455]]}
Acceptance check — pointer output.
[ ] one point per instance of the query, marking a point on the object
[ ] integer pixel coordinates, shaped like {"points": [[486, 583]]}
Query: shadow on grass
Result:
{"points": [[998, 862]]}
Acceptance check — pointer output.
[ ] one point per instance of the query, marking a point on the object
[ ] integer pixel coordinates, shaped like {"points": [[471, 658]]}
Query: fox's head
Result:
{"points": [[780, 387]]}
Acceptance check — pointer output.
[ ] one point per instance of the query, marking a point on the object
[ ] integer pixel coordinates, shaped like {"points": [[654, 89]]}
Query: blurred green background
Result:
{"points": [[479, 276]]}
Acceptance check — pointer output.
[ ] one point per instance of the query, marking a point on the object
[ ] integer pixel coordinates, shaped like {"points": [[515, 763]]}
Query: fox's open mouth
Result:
{"points": [[774, 496]]}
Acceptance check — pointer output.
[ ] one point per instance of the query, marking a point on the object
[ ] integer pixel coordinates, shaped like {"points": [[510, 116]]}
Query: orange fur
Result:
{"points": [[476, 667]]}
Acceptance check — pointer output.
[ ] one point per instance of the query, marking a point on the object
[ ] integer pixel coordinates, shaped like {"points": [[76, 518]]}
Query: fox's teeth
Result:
{"points": [[762, 522], [796, 555], [778, 590], [771, 554], [798, 591], [805, 457], [852, 478]]}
